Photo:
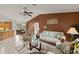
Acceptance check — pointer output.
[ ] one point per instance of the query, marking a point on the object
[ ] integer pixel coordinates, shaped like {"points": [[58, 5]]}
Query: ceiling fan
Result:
{"points": [[24, 12]]}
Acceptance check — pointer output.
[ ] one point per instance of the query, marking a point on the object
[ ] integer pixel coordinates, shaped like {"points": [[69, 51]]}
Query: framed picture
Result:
{"points": [[52, 21]]}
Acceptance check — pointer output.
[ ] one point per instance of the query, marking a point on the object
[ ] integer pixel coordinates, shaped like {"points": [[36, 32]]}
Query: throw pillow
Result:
{"points": [[58, 36]]}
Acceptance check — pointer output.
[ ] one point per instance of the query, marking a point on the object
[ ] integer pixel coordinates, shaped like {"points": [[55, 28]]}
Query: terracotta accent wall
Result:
{"points": [[65, 20]]}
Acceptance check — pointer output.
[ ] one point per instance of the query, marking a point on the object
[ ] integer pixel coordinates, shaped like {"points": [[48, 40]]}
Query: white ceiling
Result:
{"points": [[11, 12]]}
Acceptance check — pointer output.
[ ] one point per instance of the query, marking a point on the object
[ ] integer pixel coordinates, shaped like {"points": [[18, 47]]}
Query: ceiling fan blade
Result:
{"points": [[30, 15], [30, 12]]}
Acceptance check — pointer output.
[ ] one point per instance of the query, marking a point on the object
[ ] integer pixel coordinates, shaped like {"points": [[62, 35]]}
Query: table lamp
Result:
{"points": [[72, 31]]}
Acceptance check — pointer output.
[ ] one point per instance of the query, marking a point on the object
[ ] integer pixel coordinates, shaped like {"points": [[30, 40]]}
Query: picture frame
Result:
{"points": [[52, 21]]}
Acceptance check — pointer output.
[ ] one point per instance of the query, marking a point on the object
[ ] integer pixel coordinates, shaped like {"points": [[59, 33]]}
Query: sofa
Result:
{"points": [[51, 36], [54, 38]]}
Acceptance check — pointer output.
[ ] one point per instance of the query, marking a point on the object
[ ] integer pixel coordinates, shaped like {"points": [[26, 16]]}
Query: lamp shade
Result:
{"points": [[63, 37], [72, 30]]}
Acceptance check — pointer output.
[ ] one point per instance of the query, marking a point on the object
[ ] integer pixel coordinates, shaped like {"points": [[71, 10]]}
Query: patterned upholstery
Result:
{"points": [[51, 36]]}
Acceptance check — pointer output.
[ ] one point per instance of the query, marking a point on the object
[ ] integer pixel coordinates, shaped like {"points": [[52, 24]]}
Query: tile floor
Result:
{"points": [[12, 45]]}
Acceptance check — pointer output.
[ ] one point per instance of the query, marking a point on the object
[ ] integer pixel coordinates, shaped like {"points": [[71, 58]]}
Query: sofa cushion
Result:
{"points": [[48, 34], [49, 39], [44, 33], [59, 45], [51, 35]]}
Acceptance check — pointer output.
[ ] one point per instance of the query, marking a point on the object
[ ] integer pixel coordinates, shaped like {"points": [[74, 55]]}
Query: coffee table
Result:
{"points": [[38, 46]]}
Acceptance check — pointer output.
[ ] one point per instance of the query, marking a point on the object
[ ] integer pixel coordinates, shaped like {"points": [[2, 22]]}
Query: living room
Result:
{"points": [[39, 29]]}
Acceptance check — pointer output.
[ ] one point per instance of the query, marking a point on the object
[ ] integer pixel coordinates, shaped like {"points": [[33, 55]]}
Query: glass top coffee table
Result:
{"points": [[35, 44]]}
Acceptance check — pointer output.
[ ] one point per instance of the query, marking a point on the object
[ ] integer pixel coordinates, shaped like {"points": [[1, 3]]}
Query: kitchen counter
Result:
{"points": [[6, 34]]}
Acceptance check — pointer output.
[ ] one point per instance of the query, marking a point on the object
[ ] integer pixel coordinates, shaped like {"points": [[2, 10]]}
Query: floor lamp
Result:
{"points": [[72, 31]]}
